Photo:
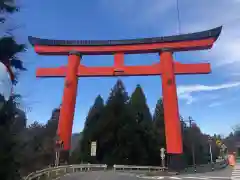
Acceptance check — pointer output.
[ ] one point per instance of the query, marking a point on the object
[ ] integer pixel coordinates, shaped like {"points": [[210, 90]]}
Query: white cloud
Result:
{"points": [[225, 52], [185, 91], [161, 16], [188, 97], [214, 104], [194, 88]]}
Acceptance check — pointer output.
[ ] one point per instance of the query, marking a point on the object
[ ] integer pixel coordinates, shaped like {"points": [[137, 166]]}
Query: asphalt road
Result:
{"points": [[224, 174]]}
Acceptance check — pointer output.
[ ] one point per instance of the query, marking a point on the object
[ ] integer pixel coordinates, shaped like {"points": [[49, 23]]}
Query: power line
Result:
{"points": [[178, 18], [179, 23]]}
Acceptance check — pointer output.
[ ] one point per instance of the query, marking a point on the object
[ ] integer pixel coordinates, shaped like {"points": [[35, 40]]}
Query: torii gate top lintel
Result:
{"points": [[166, 67], [184, 42]]}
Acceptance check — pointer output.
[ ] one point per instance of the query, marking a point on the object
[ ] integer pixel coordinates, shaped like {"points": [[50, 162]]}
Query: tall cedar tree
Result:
{"points": [[145, 129], [158, 121], [159, 127], [118, 142], [91, 130]]}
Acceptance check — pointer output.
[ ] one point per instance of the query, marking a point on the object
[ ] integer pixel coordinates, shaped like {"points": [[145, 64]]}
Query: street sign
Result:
{"points": [[162, 153], [218, 142], [58, 143], [93, 148], [223, 146], [209, 139]]}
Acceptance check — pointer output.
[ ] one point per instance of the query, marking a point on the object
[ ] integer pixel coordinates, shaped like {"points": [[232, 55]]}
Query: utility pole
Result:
{"points": [[190, 120]]}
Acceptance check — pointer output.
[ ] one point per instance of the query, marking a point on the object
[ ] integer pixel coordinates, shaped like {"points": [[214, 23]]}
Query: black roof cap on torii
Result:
{"points": [[212, 33]]}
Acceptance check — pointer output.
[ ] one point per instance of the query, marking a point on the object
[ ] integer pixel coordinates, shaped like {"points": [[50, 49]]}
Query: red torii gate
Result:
{"points": [[167, 67]]}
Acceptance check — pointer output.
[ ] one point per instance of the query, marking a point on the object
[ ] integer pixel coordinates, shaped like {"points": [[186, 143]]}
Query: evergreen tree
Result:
{"points": [[126, 134], [49, 142], [9, 133], [118, 142], [139, 106], [158, 121], [237, 131], [149, 145], [91, 130]]}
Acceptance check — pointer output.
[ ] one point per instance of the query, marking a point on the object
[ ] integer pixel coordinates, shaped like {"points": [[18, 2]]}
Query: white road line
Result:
{"points": [[185, 177], [236, 172], [214, 177], [150, 177], [175, 177], [195, 177]]}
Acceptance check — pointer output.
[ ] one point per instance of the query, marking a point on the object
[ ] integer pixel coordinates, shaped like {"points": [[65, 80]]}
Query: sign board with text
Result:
{"points": [[93, 148]]}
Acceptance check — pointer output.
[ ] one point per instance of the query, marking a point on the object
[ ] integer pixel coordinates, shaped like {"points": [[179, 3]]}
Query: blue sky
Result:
{"points": [[212, 100]]}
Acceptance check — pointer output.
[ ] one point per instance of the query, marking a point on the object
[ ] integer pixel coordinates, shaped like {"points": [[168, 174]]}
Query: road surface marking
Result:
{"points": [[195, 177], [215, 177], [174, 177], [150, 177], [236, 172], [184, 177]]}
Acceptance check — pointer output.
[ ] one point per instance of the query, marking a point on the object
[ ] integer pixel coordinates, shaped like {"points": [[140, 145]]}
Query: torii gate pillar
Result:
{"points": [[170, 103], [69, 99]]}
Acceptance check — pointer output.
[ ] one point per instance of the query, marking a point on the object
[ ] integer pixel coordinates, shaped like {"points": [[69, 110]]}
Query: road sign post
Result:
{"points": [[222, 147], [162, 154], [58, 148], [210, 151]]}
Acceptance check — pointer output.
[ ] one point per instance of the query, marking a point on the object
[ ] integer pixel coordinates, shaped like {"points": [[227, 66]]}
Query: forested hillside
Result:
{"points": [[125, 130]]}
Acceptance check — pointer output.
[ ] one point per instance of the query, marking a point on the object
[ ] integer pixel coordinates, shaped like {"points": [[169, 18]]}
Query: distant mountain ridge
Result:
{"points": [[76, 137]]}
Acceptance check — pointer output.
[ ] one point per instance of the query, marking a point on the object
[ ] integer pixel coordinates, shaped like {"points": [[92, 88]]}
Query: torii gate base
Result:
{"points": [[167, 67]]}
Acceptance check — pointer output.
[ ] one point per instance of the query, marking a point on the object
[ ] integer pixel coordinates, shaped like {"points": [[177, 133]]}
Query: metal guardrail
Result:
{"points": [[142, 168], [206, 167], [200, 168], [56, 172]]}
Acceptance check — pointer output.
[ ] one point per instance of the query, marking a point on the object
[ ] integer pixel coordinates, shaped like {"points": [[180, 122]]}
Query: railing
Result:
{"points": [[206, 167], [199, 168], [142, 168], [56, 172]]}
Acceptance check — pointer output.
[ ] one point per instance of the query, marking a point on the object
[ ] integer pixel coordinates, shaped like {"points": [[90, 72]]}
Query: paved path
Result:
{"points": [[236, 172], [111, 175]]}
